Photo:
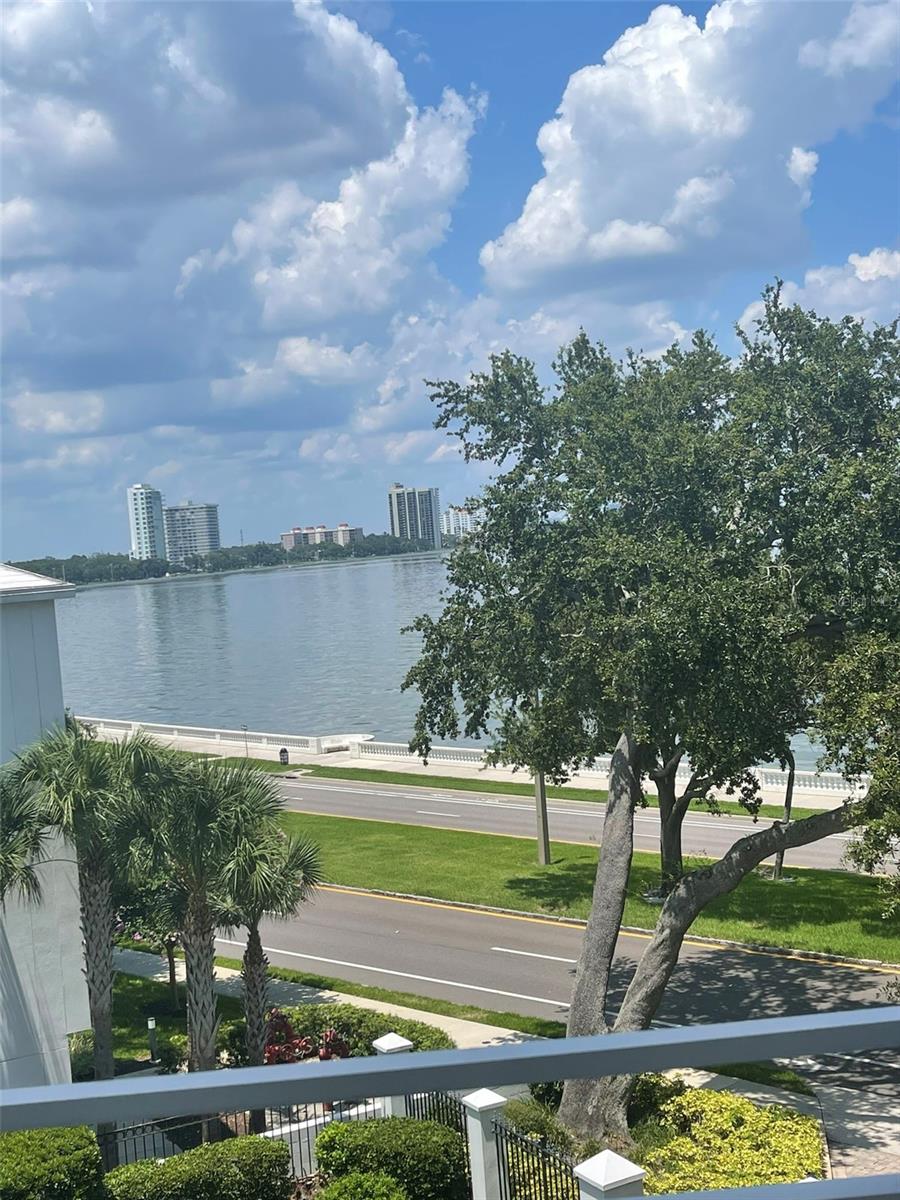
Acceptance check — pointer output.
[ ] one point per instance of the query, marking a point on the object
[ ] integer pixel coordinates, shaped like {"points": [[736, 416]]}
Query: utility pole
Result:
{"points": [[543, 826], [778, 873], [242, 537]]}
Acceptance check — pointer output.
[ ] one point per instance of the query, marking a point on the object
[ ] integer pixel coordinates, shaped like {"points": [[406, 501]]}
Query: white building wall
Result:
{"points": [[43, 996]]}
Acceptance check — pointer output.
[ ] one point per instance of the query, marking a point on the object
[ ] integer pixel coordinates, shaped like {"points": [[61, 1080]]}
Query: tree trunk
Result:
{"points": [[199, 961], [543, 826], [255, 980], [788, 801], [170, 944], [254, 974], [97, 921], [587, 1014], [608, 1101], [670, 823]]}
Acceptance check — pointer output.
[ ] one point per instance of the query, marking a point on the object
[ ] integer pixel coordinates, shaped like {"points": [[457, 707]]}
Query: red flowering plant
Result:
{"points": [[282, 1043], [332, 1045]]}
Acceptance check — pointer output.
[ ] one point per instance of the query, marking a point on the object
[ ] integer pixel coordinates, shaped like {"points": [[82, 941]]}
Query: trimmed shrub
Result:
{"points": [[359, 1027], [724, 1141], [64, 1164], [428, 1160], [173, 1053], [81, 1055], [363, 1185], [649, 1096], [243, 1168]]}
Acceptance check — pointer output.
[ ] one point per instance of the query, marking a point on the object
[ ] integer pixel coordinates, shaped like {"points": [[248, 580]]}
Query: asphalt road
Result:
{"points": [[570, 820], [526, 965]]}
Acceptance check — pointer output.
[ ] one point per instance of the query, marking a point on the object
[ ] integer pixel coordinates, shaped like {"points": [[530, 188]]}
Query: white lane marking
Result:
{"points": [[339, 962], [532, 954], [689, 822], [425, 812]]}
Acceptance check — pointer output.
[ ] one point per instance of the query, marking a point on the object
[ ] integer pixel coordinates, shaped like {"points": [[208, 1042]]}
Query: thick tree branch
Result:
{"points": [[699, 888]]}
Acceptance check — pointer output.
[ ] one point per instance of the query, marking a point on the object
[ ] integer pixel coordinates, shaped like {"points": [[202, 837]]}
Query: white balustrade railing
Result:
{"points": [[363, 746], [397, 1075]]}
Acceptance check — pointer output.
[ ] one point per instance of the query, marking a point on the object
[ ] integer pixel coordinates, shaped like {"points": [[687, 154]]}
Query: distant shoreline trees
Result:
{"points": [[121, 568]]}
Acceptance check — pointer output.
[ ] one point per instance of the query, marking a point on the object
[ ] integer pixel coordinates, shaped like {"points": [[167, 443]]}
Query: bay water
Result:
{"points": [[311, 649]]}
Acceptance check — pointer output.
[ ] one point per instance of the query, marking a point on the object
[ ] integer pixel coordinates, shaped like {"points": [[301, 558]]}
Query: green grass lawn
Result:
{"points": [[834, 912], [135, 999]]}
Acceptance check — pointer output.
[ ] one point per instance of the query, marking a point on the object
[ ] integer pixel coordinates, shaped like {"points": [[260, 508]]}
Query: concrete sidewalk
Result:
{"points": [[466, 1034]]}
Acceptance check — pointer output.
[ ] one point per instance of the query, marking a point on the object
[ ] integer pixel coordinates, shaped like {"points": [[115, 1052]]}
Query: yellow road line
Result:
{"points": [[538, 919]]}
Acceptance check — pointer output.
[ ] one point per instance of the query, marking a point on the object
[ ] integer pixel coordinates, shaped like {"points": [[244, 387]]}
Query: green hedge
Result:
{"points": [[363, 1185], [38, 1164], [243, 1168], [721, 1140], [359, 1026], [428, 1160]]}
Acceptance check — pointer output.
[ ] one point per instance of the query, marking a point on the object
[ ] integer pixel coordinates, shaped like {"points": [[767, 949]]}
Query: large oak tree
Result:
{"points": [[671, 552]]}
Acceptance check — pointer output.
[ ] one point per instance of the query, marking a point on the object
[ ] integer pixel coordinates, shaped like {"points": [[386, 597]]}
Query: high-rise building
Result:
{"points": [[459, 522], [190, 529], [311, 535], [415, 514], [145, 521]]}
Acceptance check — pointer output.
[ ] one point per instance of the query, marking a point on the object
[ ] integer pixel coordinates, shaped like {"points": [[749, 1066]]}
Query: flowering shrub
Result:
{"points": [[285, 1045], [724, 1141]]}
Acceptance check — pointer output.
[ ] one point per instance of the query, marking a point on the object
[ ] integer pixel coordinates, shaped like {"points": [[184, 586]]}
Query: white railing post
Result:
{"points": [[393, 1043], [481, 1110], [608, 1175]]}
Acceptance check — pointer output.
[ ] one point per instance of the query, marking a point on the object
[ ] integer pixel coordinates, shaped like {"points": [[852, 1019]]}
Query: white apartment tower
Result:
{"points": [[415, 514], [190, 529], [145, 520], [459, 522]]}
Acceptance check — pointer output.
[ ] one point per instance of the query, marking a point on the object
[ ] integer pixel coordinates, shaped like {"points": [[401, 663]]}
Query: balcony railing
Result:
{"points": [[392, 1076]]}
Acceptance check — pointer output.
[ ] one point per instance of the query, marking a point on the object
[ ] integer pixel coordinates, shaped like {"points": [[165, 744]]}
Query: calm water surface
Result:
{"points": [[311, 649], [314, 649]]}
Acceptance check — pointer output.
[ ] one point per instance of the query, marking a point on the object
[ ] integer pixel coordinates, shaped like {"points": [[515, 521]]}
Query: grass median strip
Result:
{"points": [[502, 787], [833, 912]]}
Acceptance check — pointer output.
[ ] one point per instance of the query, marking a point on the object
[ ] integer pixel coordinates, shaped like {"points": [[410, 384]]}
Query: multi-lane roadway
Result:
{"points": [[570, 820], [526, 965]]}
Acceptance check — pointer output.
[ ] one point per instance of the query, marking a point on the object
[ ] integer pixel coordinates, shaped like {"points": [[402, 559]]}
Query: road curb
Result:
{"points": [[578, 922]]}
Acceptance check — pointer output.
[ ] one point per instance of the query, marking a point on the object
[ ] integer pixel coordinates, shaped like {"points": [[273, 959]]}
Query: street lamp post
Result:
{"points": [[246, 747]]}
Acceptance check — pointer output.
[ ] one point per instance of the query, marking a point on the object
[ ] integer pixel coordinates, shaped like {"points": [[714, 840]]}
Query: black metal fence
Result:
{"points": [[531, 1168], [297, 1126], [443, 1107]]}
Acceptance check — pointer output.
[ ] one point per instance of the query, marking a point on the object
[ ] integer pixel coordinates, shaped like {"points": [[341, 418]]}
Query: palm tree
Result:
{"points": [[96, 794], [23, 833], [215, 818], [273, 881]]}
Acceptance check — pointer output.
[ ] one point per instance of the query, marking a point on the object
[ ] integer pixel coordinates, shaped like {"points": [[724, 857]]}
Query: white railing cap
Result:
{"points": [[484, 1100], [608, 1170], [391, 1043]]}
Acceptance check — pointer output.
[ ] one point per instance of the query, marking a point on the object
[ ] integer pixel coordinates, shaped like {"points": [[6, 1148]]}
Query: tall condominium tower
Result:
{"points": [[145, 521], [190, 529], [415, 514]]}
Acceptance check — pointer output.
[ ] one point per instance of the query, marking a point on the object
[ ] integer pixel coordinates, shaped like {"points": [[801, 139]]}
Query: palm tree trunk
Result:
{"points": [[254, 974], [199, 961], [170, 944], [97, 921]]}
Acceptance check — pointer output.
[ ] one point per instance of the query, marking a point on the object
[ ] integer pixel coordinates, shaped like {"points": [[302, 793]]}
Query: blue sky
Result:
{"points": [[236, 237]]}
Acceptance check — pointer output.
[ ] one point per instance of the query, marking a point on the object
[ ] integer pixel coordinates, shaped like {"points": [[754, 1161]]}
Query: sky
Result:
{"points": [[238, 237]]}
